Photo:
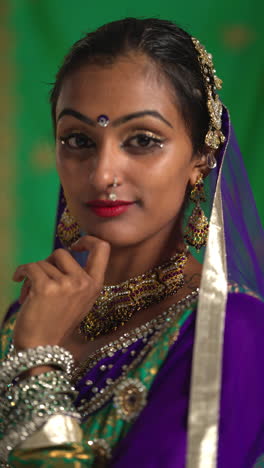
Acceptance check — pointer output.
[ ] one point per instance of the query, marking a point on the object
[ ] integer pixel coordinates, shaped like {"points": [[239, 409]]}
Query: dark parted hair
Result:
{"points": [[168, 46]]}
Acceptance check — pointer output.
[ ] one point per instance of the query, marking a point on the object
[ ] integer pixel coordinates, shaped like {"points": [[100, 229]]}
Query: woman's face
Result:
{"points": [[145, 146]]}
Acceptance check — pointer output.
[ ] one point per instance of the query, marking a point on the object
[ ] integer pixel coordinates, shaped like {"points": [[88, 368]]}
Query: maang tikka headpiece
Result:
{"points": [[214, 136]]}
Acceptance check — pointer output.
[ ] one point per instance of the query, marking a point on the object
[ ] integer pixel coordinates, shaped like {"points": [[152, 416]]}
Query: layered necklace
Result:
{"points": [[118, 303]]}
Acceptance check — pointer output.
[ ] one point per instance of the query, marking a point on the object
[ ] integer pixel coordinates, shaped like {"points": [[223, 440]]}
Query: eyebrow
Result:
{"points": [[117, 122], [77, 115], [136, 115]]}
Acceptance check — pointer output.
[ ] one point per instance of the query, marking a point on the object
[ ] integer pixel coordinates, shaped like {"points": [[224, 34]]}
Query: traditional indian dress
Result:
{"points": [[154, 397]]}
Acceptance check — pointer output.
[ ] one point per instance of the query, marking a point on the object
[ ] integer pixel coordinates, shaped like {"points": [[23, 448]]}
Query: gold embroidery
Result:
{"points": [[100, 448], [68, 452], [6, 336], [174, 337], [106, 424], [234, 287], [146, 353]]}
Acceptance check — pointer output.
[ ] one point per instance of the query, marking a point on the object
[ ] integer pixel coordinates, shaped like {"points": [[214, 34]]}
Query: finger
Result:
{"points": [[51, 271], [24, 291], [62, 260], [32, 271], [19, 274], [99, 252]]}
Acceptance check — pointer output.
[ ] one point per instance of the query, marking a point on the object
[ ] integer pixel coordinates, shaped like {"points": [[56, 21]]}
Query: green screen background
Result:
{"points": [[35, 35]]}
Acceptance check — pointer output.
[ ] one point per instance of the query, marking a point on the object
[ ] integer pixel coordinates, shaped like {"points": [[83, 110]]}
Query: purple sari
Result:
{"points": [[158, 437]]}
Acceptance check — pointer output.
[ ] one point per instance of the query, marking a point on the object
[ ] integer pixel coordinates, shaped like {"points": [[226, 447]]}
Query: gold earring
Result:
{"points": [[68, 230], [196, 232]]}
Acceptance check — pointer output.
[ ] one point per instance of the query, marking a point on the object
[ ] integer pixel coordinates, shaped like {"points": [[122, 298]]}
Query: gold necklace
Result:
{"points": [[116, 304], [103, 395], [123, 342]]}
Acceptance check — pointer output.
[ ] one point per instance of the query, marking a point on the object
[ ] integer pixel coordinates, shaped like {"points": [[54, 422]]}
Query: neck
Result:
{"points": [[129, 261]]}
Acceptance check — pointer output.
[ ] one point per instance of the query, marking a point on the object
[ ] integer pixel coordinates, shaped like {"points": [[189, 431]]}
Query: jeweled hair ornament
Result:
{"points": [[204, 404], [214, 136]]}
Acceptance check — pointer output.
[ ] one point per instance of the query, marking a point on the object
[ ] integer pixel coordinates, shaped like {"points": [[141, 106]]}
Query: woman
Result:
{"points": [[139, 126]]}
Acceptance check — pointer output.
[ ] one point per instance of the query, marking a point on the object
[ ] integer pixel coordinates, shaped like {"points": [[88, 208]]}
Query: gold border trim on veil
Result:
{"points": [[203, 418]]}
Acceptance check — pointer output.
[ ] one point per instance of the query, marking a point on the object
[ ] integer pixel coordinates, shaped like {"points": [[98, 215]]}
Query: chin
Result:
{"points": [[117, 237]]}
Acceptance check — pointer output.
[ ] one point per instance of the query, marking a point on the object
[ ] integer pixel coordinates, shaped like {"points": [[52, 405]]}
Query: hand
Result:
{"points": [[58, 293]]}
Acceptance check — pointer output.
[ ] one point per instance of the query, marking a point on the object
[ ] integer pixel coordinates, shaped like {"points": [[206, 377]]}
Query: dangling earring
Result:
{"points": [[68, 229], [197, 227], [211, 161]]}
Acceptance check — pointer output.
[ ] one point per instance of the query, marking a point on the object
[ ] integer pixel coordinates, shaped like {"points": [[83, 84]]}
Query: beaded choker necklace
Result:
{"points": [[116, 304]]}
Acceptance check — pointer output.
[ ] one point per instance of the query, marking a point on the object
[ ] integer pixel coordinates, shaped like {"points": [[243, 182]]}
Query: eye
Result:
{"points": [[144, 141], [77, 141]]}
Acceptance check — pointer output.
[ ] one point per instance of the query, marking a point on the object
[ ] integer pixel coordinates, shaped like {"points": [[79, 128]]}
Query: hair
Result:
{"points": [[168, 46]]}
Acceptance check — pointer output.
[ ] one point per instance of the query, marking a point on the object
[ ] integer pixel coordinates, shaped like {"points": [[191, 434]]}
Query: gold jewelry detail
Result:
{"points": [[116, 304], [196, 232], [171, 318], [68, 229], [101, 449], [124, 341], [214, 136], [130, 398]]}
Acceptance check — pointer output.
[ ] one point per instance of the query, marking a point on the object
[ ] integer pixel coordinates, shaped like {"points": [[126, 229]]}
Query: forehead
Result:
{"points": [[129, 85]]}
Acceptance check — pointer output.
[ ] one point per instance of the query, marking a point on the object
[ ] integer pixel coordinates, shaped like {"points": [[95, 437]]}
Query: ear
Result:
{"points": [[199, 166]]}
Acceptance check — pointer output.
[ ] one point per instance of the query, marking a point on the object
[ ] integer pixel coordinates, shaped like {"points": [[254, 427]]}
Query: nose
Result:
{"points": [[106, 167]]}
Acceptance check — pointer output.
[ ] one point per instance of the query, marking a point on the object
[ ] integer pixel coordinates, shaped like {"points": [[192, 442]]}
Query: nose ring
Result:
{"points": [[112, 195]]}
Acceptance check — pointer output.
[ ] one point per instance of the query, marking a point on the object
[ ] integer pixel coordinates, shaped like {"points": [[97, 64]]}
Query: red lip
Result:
{"points": [[108, 203], [108, 208]]}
